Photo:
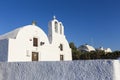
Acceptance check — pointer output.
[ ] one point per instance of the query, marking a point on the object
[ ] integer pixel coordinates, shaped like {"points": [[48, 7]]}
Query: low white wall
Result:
{"points": [[116, 69], [67, 70]]}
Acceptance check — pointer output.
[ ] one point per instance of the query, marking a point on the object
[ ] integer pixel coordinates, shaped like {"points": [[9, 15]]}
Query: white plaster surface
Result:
{"points": [[67, 70], [116, 69]]}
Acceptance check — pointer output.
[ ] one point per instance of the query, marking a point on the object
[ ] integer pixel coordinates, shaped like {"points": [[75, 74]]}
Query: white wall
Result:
{"points": [[21, 48], [66, 70], [116, 70]]}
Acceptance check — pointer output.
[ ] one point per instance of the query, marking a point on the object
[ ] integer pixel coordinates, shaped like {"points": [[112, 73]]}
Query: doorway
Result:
{"points": [[35, 56], [61, 57]]}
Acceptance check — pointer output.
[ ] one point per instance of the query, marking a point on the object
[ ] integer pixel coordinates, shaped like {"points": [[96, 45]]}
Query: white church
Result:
{"points": [[30, 43]]}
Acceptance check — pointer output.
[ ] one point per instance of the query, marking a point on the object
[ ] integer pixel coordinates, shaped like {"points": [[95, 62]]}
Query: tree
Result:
{"points": [[75, 52], [98, 54]]}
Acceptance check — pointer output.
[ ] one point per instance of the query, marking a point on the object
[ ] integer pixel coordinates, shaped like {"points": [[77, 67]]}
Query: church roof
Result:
{"points": [[11, 34], [108, 50], [86, 47], [28, 28]]}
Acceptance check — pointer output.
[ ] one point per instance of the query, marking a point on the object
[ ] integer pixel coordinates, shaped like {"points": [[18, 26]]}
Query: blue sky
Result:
{"points": [[95, 22]]}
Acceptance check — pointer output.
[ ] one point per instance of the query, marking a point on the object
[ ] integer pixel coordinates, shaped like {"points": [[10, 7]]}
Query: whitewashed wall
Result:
{"points": [[21, 48], [68, 70]]}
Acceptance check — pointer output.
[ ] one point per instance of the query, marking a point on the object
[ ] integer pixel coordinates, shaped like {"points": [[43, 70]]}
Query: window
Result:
{"points": [[61, 47], [42, 43], [61, 57], [56, 27], [35, 42], [60, 29]]}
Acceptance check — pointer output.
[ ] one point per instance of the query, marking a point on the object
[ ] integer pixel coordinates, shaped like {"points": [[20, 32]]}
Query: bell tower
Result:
{"points": [[58, 40], [55, 29]]}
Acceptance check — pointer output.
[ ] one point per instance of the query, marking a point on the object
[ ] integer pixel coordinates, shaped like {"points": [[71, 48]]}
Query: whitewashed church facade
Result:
{"points": [[30, 43]]}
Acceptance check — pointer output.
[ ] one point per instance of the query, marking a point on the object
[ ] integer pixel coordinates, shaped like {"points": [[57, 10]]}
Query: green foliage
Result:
{"points": [[113, 55], [75, 52], [77, 55], [100, 55]]}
